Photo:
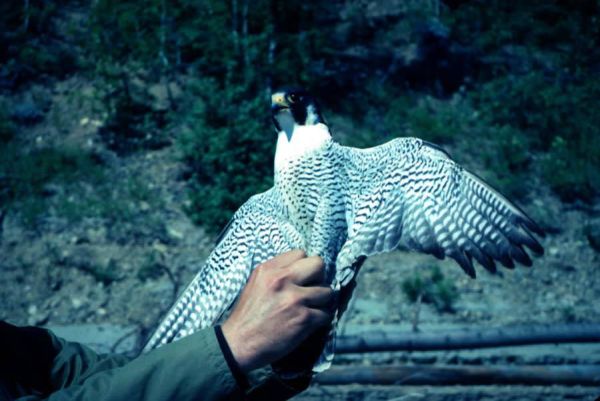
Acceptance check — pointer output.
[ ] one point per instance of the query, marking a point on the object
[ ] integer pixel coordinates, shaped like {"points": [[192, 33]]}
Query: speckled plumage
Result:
{"points": [[345, 204]]}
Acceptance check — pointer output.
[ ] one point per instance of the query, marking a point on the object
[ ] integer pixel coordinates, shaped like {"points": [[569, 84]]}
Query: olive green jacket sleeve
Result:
{"points": [[190, 369], [36, 365]]}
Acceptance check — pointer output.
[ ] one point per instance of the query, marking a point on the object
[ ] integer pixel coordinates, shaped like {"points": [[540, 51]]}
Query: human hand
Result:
{"points": [[281, 305]]}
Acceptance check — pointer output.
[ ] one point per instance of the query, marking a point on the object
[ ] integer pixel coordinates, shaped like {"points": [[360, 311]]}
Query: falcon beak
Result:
{"points": [[278, 103]]}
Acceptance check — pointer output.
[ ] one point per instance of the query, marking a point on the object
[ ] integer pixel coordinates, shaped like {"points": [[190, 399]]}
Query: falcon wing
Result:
{"points": [[411, 190], [257, 232]]}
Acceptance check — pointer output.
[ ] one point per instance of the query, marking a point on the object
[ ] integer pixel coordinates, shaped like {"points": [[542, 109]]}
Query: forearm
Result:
{"points": [[193, 368], [190, 369]]}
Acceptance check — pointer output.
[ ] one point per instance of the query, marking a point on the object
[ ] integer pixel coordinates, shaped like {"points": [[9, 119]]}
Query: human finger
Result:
{"points": [[307, 271], [284, 259], [317, 297], [320, 317]]}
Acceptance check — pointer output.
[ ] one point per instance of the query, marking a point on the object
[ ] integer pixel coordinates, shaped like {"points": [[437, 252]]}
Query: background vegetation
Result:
{"points": [[513, 87], [131, 130]]}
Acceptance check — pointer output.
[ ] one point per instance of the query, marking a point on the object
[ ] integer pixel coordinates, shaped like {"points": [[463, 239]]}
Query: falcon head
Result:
{"points": [[293, 107]]}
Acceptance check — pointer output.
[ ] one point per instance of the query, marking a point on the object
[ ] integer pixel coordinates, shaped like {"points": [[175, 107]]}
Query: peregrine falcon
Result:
{"points": [[345, 204]]}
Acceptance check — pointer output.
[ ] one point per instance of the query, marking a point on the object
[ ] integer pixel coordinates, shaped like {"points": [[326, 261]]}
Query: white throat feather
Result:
{"points": [[305, 139]]}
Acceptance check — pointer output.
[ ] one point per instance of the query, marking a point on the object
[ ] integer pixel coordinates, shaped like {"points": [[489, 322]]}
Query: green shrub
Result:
{"points": [[505, 154], [7, 128], [557, 118], [540, 82], [26, 176], [33, 46], [565, 33], [572, 169], [124, 55], [531, 103], [228, 143], [391, 112], [432, 288], [116, 199], [133, 125], [238, 51]]}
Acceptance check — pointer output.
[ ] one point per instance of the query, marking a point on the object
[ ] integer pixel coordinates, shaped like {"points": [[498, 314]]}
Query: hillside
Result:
{"points": [[125, 144]]}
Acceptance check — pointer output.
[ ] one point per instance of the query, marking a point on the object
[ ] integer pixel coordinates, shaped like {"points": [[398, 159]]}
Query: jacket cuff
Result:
{"points": [[236, 371], [262, 383], [266, 384]]}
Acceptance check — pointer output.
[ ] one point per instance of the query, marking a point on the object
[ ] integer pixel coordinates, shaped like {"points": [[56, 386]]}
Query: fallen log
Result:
{"points": [[445, 375], [468, 339]]}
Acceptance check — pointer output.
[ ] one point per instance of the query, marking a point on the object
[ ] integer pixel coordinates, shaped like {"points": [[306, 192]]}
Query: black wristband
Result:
{"points": [[236, 371]]}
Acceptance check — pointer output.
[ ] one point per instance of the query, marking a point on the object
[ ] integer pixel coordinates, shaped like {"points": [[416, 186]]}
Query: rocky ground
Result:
{"points": [[123, 273]]}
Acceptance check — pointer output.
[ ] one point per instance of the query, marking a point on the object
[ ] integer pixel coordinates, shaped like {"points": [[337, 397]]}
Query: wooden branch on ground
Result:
{"points": [[444, 375], [467, 339]]}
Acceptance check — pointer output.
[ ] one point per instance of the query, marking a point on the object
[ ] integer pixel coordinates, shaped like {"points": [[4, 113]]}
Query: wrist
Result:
{"points": [[234, 367], [237, 348]]}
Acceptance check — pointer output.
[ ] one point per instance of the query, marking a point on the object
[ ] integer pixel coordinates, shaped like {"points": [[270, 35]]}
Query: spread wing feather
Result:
{"points": [[409, 191], [257, 232]]}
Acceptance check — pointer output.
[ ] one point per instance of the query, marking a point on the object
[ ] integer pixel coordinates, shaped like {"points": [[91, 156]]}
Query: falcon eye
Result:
{"points": [[293, 97]]}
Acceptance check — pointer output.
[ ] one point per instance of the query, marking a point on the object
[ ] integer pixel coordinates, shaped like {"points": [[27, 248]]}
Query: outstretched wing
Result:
{"points": [[257, 232], [410, 190]]}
